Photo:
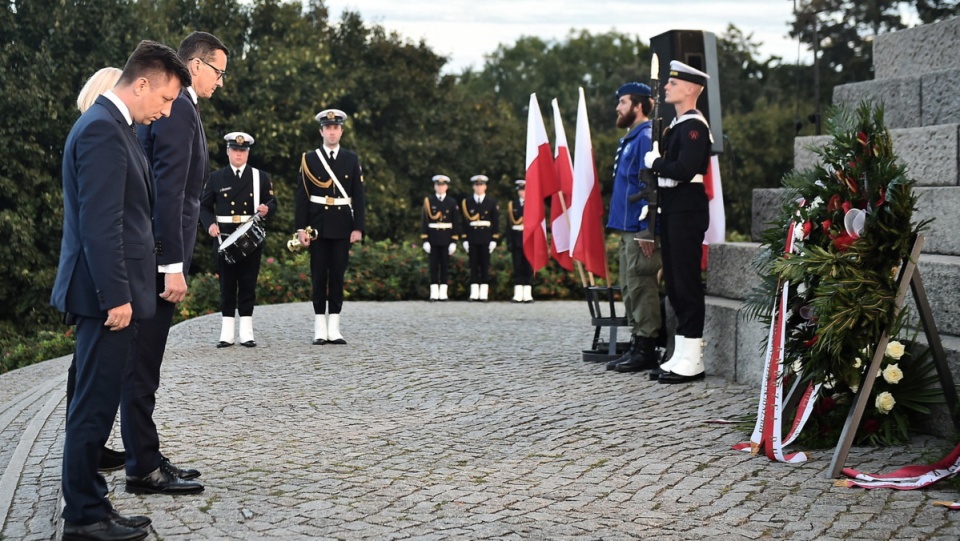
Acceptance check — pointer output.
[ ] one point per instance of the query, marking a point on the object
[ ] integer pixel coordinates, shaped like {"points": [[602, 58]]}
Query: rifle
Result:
{"points": [[648, 180]]}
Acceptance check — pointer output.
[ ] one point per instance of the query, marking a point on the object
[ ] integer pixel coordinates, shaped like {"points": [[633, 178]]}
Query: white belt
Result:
{"points": [[670, 183], [480, 223], [518, 227], [440, 225], [329, 200], [233, 219]]}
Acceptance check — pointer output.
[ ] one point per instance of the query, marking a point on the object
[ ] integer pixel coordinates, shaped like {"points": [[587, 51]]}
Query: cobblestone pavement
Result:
{"points": [[453, 421]]}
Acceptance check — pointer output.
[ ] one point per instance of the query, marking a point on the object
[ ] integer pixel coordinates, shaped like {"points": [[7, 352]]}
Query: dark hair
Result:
{"points": [[201, 45], [646, 103], [151, 58]]}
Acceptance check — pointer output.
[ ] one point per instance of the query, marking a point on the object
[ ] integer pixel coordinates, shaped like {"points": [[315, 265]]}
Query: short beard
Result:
{"points": [[627, 120]]}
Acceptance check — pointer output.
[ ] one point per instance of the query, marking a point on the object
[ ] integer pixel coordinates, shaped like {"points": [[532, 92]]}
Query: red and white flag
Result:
{"points": [[541, 182], [586, 207], [717, 230], [559, 215]]}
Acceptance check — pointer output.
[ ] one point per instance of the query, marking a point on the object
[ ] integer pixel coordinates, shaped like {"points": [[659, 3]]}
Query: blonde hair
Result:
{"points": [[97, 84]]}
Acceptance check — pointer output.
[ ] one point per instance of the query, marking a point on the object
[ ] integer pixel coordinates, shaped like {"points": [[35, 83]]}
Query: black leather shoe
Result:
{"points": [[656, 373], [319, 341], [670, 377], [182, 473], [249, 344], [222, 344], [339, 341], [645, 357], [133, 521], [161, 482], [105, 530], [111, 460]]}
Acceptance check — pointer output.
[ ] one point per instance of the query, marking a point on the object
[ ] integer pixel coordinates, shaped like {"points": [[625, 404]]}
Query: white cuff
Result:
{"points": [[172, 268]]}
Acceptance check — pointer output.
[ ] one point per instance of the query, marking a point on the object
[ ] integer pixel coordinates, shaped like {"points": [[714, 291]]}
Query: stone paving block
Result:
{"points": [[915, 51]]}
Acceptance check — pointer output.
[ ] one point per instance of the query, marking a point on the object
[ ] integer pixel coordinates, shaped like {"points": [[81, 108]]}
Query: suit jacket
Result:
{"points": [[176, 148], [331, 221], [488, 211], [107, 251], [225, 195], [436, 211]]}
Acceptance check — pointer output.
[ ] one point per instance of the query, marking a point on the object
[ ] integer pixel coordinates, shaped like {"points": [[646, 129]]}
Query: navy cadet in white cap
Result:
{"points": [[482, 231], [684, 217], [522, 271], [330, 200], [230, 198], [439, 231]]}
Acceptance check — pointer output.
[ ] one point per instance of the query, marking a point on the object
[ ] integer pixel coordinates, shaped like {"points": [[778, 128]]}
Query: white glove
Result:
{"points": [[492, 246], [643, 214], [426, 247], [466, 247], [453, 248], [651, 156]]}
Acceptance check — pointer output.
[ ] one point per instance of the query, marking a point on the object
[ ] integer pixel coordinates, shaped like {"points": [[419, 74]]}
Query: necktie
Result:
{"points": [[331, 155], [238, 173]]}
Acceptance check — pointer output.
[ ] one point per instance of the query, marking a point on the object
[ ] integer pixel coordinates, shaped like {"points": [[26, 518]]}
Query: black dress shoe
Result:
{"points": [[319, 341], [222, 344], [160, 481], [111, 460], [182, 473], [670, 377], [656, 373], [338, 341], [105, 530], [133, 521], [249, 344]]}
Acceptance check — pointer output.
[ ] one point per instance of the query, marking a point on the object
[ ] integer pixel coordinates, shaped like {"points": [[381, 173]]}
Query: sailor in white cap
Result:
{"points": [[684, 218], [330, 199], [482, 231], [439, 231], [230, 198], [522, 271]]}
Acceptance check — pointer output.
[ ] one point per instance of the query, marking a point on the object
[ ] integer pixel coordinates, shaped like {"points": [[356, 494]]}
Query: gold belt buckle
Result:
{"points": [[329, 200], [236, 219]]}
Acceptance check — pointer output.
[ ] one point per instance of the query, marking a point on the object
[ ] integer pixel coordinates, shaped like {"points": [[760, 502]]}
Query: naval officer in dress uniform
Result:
{"points": [[330, 200], [482, 226], [522, 271], [684, 217], [230, 198], [440, 231]]}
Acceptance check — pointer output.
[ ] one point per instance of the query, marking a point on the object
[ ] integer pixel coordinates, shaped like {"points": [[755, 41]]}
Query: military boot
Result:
{"points": [[644, 359]]}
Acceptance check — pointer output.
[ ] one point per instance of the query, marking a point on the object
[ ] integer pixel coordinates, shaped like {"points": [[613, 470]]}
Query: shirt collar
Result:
{"points": [[194, 97], [336, 151], [124, 110], [242, 168], [637, 129]]}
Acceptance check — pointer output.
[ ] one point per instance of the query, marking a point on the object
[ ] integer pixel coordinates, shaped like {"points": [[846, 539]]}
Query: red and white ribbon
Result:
{"points": [[908, 478]]}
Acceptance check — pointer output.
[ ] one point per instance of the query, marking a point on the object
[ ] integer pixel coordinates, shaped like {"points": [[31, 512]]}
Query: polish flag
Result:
{"points": [[541, 182], [559, 215], [586, 207], [717, 230]]}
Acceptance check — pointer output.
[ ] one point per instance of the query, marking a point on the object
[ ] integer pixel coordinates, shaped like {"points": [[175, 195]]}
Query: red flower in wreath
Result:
{"points": [[826, 225], [843, 241]]}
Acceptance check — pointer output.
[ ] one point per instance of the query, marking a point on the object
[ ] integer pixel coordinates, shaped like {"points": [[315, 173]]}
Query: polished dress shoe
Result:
{"points": [[319, 341], [339, 341], [656, 373], [105, 530], [249, 344], [160, 481], [110, 460], [222, 344], [133, 521], [182, 473], [670, 377]]}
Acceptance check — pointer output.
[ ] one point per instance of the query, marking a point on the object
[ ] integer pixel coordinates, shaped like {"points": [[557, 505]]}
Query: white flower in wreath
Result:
{"points": [[892, 374], [895, 349], [857, 362], [885, 402], [829, 383], [798, 232], [854, 388], [797, 366], [817, 201]]}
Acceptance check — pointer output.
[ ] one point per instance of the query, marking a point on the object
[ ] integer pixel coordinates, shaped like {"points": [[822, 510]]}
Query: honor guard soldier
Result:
{"points": [[684, 217], [522, 271], [482, 231], [330, 202], [232, 197], [440, 231]]}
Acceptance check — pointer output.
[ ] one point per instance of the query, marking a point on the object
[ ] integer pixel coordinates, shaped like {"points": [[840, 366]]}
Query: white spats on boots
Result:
{"points": [[246, 332], [319, 330], [678, 343], [484, 290], [227, 325], [434, 292], [333, 330], [527, 293], [474, 292], [517, 294], [443, 293], [689, 367]]}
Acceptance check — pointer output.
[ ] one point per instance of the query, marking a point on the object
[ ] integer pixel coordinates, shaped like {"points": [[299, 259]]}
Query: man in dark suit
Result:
{"points": [[440, 231], [176, 149], [104, 280], [522, 270], [330, 200], [482, 231], [231, 198]]}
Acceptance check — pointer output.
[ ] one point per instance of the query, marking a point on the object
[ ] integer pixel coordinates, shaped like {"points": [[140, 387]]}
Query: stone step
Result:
{"points": [[929, 99], [938, 204], [929, 153], [915, 51]]}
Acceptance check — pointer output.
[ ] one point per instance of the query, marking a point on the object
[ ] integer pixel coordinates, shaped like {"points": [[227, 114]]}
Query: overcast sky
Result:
{"points": [[466, 30]]}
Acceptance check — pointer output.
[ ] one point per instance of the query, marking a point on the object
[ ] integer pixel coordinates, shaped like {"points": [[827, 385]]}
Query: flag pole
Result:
{"points": [[566, 216]]}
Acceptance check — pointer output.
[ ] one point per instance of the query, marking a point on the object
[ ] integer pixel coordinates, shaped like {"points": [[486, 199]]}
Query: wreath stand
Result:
{"points": [[909, 276], [597, 298]]}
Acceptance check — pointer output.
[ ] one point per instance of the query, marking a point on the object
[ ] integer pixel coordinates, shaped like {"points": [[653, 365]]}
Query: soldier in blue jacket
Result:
{"points": [[639, 261]]}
